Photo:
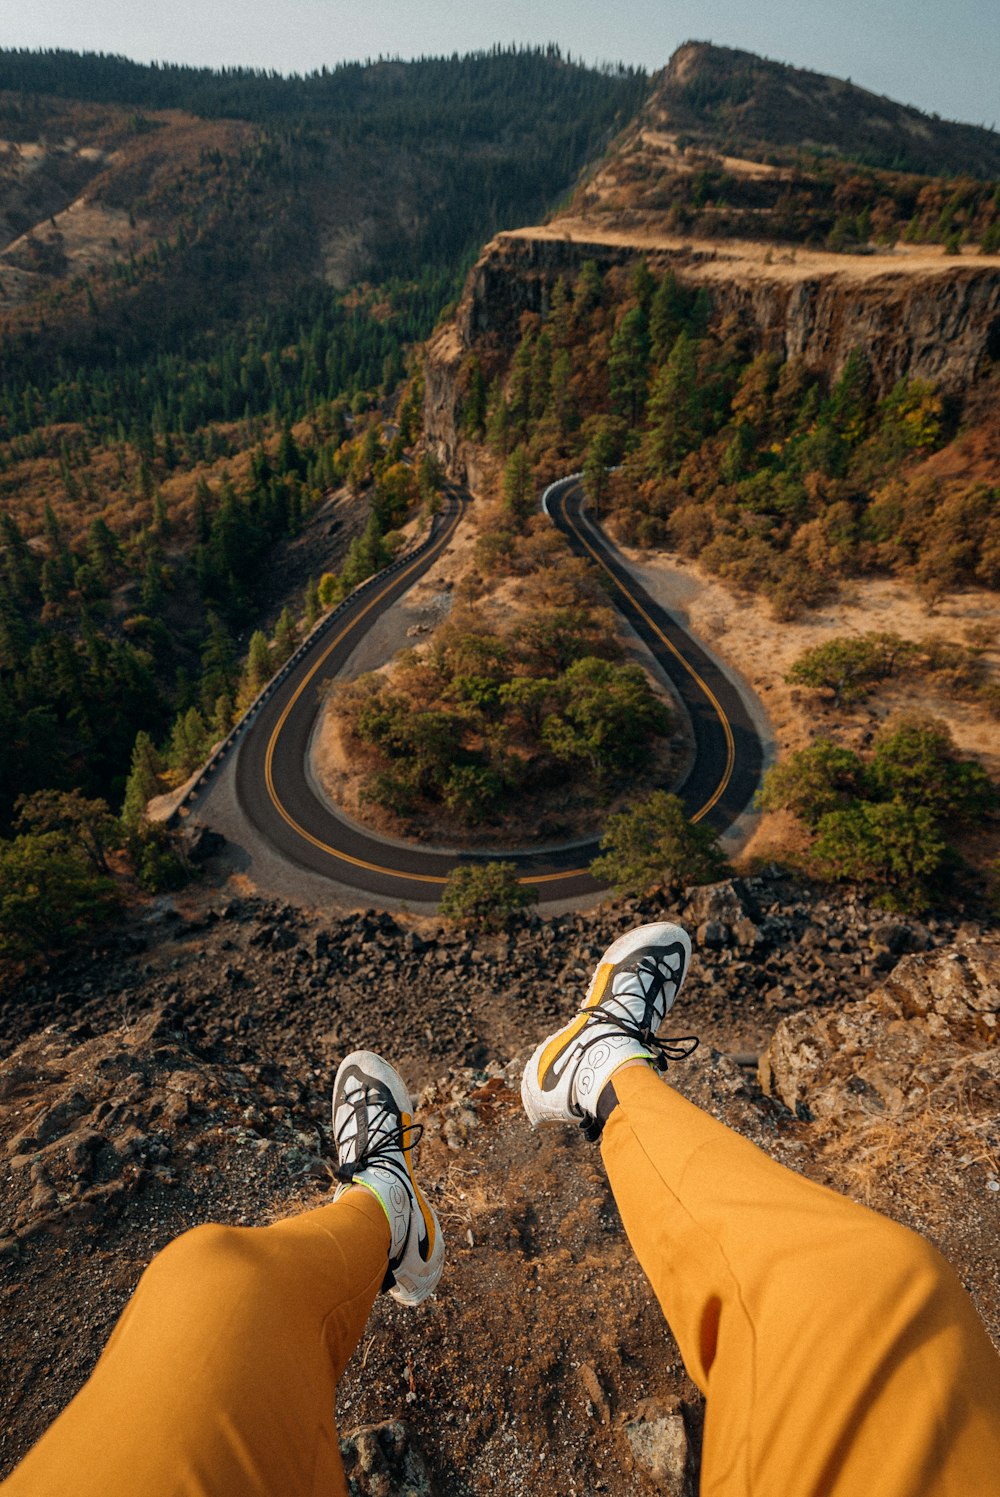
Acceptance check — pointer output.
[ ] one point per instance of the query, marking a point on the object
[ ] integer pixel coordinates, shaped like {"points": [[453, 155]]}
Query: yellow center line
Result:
{"points": [[424, 878], [433, 878], [699, 680]]}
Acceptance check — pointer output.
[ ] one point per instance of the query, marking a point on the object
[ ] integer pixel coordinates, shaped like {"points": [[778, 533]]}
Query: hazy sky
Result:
{"points": [[941, 55]]}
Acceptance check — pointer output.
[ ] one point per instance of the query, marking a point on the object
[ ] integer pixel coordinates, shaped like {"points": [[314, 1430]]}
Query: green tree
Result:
{"points": [[286, 638], [50, 895], [607, 716], [675, 416], [652, 844], [850, 667], [472, 792], [915, 763], [487, 895], [596, 465], [519, 488], [189, 742], [83, 825], [897, 847], [474, 412], [260, 665], [313, 606], [813, 781], [143, 783], [628, 366]]}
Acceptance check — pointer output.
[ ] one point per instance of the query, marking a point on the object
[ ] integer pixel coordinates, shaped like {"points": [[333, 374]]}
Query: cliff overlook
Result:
{"points": [[817, 217], [180, 1072]]}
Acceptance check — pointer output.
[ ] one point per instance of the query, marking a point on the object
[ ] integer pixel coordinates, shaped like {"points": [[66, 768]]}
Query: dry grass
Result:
{"points": [[941, 1120]]}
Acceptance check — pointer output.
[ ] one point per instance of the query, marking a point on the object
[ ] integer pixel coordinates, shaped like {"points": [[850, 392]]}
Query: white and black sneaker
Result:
{"points": [[374, 1134], [630, 995]]}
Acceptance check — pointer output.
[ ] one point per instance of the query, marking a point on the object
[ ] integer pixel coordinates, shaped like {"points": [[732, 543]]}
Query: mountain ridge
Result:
{"points": [[733, 94]]}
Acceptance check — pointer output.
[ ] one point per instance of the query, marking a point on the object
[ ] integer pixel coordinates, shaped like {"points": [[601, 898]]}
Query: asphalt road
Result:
{"points": [[276, 796], [729, 755]]}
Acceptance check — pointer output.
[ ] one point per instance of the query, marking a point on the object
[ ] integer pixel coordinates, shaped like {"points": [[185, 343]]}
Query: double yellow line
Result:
{"points": [[699, 680], [334, 852], [433, 878]]}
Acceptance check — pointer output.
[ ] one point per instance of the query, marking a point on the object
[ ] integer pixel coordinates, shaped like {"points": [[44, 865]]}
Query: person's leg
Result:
{"points": [[221, 1373], [219, 1379], [837, 1351]]}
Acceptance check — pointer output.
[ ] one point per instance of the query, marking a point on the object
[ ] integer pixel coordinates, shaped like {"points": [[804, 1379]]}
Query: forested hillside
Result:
{"points": [[209, 281], [780, 479]]}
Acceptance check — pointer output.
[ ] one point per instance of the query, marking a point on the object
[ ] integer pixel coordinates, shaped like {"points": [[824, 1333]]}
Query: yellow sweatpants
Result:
{"points": [[219, 1378], [837, 1351]]}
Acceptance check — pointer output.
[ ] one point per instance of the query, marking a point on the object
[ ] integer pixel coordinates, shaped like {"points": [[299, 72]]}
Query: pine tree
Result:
{"points": [[675, 413], [628, 365], [286, 638], [259, 668], [519, 487], [313, 607], [143, 782]]}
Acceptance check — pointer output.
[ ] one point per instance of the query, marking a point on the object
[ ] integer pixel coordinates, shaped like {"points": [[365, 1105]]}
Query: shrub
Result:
{"points": [[653, 844], [850, 667], [485, 894], [472, 792], [159, 864], [884, 822], [897, 847], [915, 764], [812, 782], [50, 895]]}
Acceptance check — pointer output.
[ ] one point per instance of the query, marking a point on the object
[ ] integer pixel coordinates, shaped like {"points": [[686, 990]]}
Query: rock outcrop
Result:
{"points": [[938, 323], [931, 1029]]}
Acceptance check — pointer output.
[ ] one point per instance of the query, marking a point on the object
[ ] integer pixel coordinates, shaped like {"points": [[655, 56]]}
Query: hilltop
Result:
{"points": [[739, 102]]}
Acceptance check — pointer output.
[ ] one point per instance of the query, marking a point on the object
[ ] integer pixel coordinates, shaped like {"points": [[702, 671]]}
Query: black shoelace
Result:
{"points": [[664, 1050], [677, 1047], [387, 1137]]}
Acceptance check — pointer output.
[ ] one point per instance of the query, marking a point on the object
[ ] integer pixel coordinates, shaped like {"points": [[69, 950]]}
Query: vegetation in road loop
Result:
{"points": [[497, 709]]}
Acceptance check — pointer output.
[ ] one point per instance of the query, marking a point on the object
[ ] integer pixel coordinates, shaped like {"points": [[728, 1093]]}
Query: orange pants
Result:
{"points": [[838, 1353], [219, 1378]]}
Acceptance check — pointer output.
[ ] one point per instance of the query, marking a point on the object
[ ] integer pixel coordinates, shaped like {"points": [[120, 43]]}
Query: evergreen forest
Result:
{"points": [[175, 414]]}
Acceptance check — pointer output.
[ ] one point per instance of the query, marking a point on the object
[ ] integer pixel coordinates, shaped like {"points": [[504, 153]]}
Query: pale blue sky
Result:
{"points": [[941, 55]]}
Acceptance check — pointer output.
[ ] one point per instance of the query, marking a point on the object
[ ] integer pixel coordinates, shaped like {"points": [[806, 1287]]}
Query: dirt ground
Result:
{"points": [[746, 259], [741, 630]]}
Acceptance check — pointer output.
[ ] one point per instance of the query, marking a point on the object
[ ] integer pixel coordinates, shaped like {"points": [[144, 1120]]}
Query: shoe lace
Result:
{"points": [[616, 1010], [387, 1138]]}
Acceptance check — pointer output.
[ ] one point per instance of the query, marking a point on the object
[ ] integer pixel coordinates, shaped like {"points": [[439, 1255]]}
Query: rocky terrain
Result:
{"points": [[180, 1071]]}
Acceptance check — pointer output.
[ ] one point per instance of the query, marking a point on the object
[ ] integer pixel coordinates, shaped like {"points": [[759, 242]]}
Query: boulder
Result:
{"points": [[659, 1447], [893, 1050], [383, 1460]]}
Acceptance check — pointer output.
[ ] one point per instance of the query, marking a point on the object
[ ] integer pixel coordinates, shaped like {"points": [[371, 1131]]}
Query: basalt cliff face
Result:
{"points": [[920, 314]]}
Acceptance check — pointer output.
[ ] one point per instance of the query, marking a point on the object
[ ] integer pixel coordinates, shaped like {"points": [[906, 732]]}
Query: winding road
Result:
{"points": [[277, 797]]}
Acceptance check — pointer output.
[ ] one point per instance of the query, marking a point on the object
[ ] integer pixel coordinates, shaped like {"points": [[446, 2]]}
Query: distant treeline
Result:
{"points": [[470, 95]]}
